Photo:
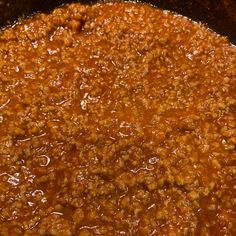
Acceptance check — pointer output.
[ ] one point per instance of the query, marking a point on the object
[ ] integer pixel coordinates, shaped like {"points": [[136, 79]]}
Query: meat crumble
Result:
{"points": [[116, 119]]}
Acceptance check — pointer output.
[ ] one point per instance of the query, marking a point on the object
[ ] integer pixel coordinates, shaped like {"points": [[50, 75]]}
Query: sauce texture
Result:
{"points": [[116, 119]]}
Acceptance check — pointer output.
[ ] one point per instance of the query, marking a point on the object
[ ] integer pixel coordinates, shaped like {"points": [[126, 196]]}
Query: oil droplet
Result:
{"points": [[44, 160], [153, 160], [37, 192]]}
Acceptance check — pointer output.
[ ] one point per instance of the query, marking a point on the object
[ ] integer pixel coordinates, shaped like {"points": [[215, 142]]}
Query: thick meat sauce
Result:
{"points": [[116, 119]]}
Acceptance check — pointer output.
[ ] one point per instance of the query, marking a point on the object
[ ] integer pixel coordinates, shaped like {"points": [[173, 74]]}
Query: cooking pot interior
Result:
{"points": [[220, 15]]}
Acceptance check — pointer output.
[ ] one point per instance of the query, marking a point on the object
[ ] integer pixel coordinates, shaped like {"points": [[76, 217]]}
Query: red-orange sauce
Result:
{"points": [[116, 119]]}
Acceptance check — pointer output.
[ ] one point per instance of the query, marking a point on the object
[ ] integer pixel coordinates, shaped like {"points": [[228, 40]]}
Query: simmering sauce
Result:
{"points": [[116, 119]]}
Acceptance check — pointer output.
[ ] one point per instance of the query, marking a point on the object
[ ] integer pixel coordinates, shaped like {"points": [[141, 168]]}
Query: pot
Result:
{"points": [[219, 15]]}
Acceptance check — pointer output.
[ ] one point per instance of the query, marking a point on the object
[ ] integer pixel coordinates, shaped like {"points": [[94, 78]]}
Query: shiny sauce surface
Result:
{"points": [[116, 119]]}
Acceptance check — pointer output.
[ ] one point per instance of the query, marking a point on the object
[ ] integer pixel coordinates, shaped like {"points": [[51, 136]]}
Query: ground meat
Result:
{"points": [[116, 119]]}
